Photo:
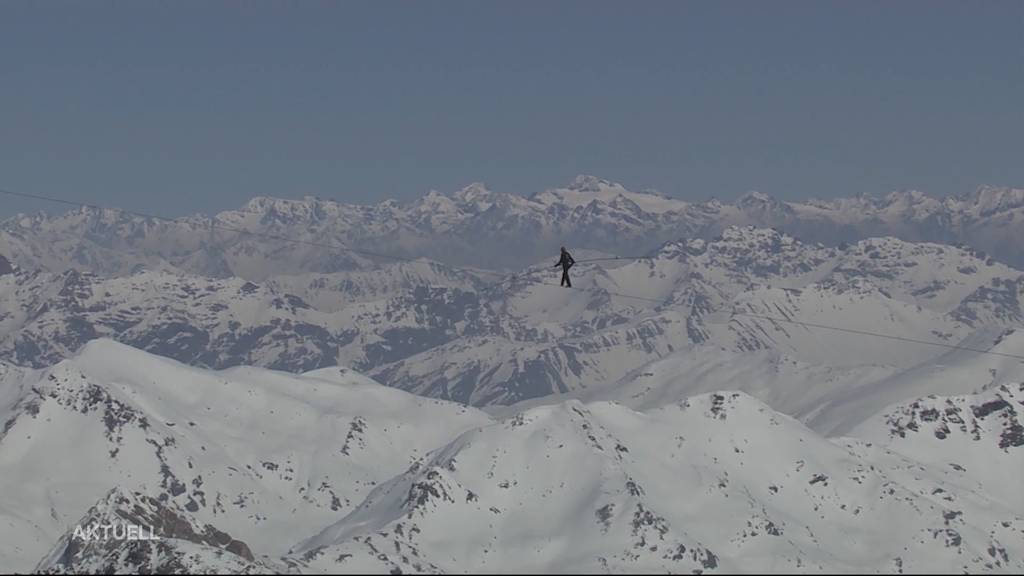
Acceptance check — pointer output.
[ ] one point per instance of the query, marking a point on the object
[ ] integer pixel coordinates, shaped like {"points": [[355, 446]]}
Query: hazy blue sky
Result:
{"points": [[178, 107]]}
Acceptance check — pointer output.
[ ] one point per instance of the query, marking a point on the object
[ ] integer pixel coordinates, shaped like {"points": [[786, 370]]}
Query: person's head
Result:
{"points": [[563, 248]]}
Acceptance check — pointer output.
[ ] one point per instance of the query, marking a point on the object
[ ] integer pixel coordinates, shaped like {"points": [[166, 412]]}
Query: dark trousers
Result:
{"points": [[565, 277]]}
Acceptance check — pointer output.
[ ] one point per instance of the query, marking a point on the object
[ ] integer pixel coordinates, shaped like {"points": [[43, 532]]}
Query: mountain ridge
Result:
{"points": [[713, 481], [475, 226], [465, 336]]}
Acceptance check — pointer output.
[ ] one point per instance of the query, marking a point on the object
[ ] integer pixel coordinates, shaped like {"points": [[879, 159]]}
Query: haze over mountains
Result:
{"points": [[673, 412], [478, 227], [473, 338]]}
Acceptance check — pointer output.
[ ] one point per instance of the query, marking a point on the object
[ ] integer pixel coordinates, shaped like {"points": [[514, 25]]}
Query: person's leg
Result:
{"points": [[565, 276]]}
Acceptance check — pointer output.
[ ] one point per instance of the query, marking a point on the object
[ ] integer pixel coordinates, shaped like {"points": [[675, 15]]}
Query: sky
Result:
{"points": [[183, 107]]}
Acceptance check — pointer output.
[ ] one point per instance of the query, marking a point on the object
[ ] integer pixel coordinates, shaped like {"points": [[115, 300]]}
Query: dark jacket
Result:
{"points": [[566, 261]]}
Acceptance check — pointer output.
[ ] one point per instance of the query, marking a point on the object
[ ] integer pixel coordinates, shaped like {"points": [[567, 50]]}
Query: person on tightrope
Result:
{"points": [[566, 262]]}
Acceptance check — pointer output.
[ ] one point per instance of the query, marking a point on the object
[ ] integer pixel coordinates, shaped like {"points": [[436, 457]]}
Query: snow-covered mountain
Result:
{"points": [[716, 483], [230, 322], [261, 456], [726, 293], [830, 400], [184, 546], [251, 471], [973, 430], [687, 410], [476, 339], [479, 227]]}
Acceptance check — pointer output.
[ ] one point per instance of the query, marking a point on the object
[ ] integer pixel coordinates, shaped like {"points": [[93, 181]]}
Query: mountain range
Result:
{"points": [[759, 386], [453, 334], [478, 227], [253, 471]]}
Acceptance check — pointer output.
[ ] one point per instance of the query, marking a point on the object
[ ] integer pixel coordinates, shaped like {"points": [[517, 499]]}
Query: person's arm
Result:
{"points": [[572, 261]]}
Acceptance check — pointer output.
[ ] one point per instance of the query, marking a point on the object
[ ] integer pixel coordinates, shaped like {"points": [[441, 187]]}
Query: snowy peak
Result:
{"points": [[992, 417], [990, 200], [734, 240], [587, 183], [286, 212], [996, 302], [761, 204], [256, 454], [449, 334], [713, 483], [969, 435], [939, 277], [263, 204], [746, 253], [754, 236], [905, 199], [552, 461], [475, 193], [132, 532], [294, 323], [479, 227], [598, 195], [355, 477]]}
